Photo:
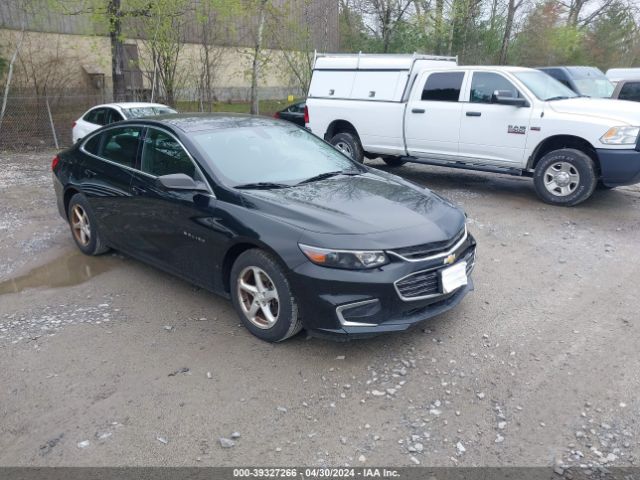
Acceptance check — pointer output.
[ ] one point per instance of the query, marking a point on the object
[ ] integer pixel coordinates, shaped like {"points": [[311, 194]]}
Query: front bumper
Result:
{"points": [[357, 304], [619, 167]]}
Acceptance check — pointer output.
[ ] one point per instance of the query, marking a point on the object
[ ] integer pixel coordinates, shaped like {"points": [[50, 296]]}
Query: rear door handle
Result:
{"points": [[474, 114], [417, 110], [138, 190]]}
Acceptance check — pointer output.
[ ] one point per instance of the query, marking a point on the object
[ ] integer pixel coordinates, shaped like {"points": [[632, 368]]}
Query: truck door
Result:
{"points": [[490, 132], [432, 126]]}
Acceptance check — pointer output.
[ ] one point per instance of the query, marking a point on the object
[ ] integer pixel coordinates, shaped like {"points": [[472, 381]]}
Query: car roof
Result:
{"points": [[130, 105], [202, 122]]}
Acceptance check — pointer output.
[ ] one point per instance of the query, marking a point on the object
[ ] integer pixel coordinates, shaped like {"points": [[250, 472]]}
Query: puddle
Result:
{"points": [[70, 269]]}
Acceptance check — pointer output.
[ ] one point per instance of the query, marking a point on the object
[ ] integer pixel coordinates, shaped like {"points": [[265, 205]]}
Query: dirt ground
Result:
{"points": [[106, 361]]}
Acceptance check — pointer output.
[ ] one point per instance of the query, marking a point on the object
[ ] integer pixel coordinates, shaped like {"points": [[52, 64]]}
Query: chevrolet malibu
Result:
{"points": [[261, 211]]}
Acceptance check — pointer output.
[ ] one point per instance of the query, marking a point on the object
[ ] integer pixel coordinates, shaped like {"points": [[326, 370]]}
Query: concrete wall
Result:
{"points": [[54, 63]]}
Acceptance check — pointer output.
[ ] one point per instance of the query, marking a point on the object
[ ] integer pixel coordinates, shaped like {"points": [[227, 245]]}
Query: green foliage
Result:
{"points": [[474, 30]]}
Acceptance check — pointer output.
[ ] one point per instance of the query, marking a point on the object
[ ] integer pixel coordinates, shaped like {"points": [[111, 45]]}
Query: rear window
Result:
{"points": [[443, 87], [138, 112], [119, 145], [97, 116]]}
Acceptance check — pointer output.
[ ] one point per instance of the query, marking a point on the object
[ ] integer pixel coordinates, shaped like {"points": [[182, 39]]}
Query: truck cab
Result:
{"points": [[585, 81], [511, 120]]}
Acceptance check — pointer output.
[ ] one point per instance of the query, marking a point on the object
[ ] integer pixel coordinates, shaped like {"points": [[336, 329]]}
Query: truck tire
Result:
{"points": [[565, 177], [349, 144], [393, 161]]}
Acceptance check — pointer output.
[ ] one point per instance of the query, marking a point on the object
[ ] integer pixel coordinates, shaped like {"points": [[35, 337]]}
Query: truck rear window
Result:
{"points": [[443, 87]]}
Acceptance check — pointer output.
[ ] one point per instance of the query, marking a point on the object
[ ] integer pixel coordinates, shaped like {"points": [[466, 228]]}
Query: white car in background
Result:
{"points": [[101, 115]]}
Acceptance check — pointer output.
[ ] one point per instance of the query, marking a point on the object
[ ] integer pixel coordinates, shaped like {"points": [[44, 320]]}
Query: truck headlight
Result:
{"points": [[347, 259], [621, 136]]}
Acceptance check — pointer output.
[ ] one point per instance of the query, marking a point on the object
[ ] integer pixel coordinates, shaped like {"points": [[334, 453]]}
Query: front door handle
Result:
{"points": [[417, 110], [89, 173], [474, 114], [138, 190]]}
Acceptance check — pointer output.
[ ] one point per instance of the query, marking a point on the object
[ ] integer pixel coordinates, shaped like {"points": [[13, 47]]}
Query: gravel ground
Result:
{"points": [[107, 361]]}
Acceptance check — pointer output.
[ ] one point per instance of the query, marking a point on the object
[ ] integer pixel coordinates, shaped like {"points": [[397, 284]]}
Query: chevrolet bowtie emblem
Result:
{"points": [[450, 259]]}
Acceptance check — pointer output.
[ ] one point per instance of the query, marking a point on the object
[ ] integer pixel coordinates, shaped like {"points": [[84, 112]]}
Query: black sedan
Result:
{"points": [[294, 113], [261, 211]]}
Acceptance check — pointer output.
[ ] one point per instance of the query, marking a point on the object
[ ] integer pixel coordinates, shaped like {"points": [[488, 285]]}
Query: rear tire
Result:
{"points": [[393, 161], [84, 227], [349, 144], [565, 177], [262, 297]]}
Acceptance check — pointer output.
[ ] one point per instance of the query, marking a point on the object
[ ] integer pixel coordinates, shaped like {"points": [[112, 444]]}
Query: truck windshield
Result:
{"points": [[544, 86], [591, 82]]}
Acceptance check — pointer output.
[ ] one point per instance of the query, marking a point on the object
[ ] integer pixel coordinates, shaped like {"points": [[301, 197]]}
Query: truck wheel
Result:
{"points": [[393, 161], [565, 177], [349, 144]]}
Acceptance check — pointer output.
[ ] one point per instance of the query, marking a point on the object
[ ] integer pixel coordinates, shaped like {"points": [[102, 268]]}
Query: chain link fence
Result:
{"points": [[39, 122], [32, 122]]}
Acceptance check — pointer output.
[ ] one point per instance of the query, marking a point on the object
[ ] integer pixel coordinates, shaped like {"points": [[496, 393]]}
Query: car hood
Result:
{"points": [[620, 111], [380, 204]]}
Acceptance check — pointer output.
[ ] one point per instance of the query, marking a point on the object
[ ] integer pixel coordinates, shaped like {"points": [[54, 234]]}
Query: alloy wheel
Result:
{"points": [[345, 148], [258, 297], [80, 225], [561, 179]]}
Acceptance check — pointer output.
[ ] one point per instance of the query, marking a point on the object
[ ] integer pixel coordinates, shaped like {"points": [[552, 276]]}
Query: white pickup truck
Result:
{"points": [[511, 120]]}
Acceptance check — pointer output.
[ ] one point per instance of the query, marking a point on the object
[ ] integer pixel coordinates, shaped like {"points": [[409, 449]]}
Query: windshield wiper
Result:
{"points": [[325, 175], [262, 186], [559, 97]]}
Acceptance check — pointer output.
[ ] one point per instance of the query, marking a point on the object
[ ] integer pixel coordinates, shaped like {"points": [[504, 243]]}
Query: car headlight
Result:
{"points": [[621, 136], [348, 259]]}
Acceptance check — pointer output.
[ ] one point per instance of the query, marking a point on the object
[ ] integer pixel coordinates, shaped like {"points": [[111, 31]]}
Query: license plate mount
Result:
{"points": [[454, 277]]}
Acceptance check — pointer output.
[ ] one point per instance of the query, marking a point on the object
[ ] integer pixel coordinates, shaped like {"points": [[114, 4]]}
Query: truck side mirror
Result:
{"points": [[508, 97]]}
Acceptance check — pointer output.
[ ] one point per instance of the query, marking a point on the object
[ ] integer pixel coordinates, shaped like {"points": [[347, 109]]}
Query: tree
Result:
{"points": [[512, 7], [255, 64], [163, 30], [210, 14]]}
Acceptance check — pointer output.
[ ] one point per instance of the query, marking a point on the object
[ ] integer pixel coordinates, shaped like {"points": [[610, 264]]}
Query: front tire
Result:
{"points": [[565, 177], [262, 297], [349, 144], [84, 227]]}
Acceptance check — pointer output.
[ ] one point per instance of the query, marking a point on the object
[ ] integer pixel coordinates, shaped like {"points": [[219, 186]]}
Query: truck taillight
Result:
{"points": [[306, 114], [54, 163]]}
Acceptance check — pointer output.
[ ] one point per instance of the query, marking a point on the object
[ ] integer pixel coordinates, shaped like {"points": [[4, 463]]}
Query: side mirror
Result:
{"points": [[506, 97], [180, 181]]}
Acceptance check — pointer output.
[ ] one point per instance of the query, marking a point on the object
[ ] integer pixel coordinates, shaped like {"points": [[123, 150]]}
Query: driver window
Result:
{"points": [[163, 155], [485, 84]]}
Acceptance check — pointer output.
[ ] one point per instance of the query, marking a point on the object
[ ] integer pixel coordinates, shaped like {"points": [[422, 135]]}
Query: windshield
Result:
{"points": [[544, 86], [270, 154], [592, 83], [137, 112]]}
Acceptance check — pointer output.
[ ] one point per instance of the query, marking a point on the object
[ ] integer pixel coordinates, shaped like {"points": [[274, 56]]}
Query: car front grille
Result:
{"points": [[419, 284], [418, 252], [426, 283]]}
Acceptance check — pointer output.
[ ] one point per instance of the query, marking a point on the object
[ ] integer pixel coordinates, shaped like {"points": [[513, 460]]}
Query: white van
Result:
{"points": [[511, 120]]}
